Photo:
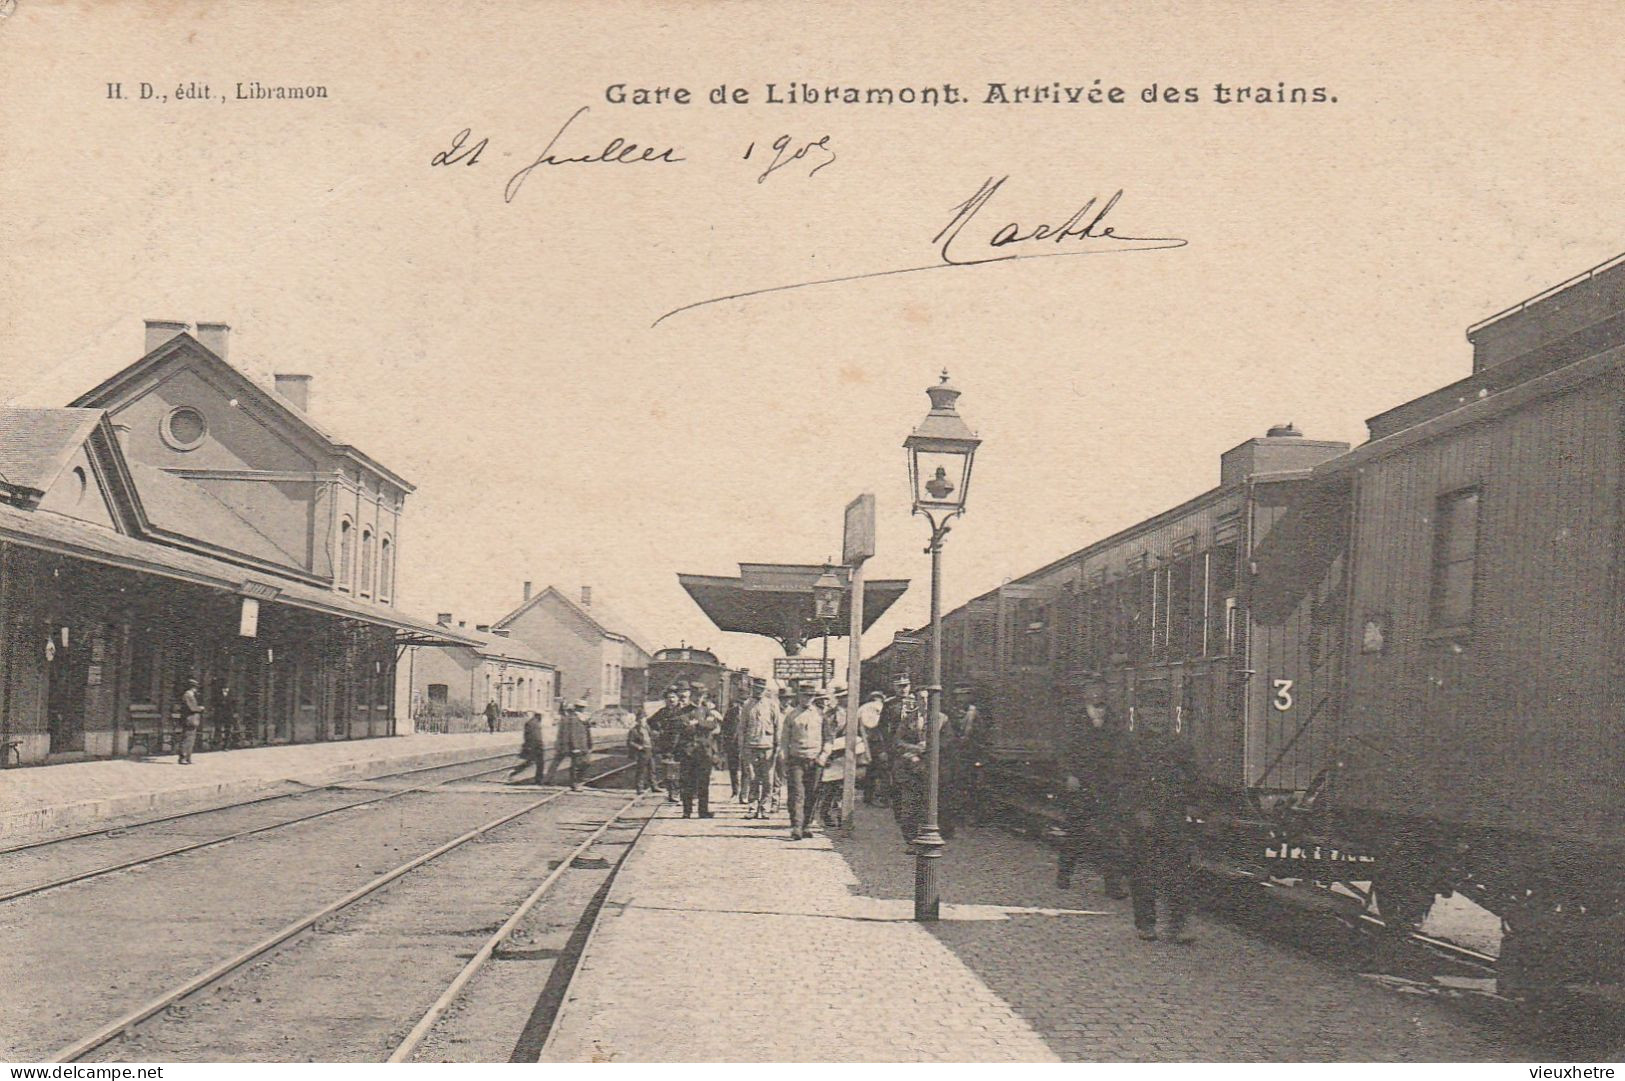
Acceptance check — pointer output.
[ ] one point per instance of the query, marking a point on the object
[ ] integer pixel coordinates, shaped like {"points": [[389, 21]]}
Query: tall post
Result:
{"points": [[854, 697], [928, 845]]}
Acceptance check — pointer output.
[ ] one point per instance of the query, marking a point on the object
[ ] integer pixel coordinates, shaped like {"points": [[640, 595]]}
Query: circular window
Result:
{"points": [[184, 428], [80, 483]]}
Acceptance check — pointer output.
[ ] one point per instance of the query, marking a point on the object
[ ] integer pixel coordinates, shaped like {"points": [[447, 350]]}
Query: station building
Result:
{"points": [[599, 656], [449, 681], [180, 519]]}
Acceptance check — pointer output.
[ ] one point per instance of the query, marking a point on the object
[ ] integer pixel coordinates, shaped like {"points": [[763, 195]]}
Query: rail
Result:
{"points": [[431, 1017], [126, 1023]]}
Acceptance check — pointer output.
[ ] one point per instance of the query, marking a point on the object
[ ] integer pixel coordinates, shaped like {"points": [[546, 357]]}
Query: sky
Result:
{"points": [[501, 354]]}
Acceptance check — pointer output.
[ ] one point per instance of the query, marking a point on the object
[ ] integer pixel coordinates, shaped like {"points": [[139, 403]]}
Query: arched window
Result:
{"points": [[346, 552], [386, 569], [365, 588]]}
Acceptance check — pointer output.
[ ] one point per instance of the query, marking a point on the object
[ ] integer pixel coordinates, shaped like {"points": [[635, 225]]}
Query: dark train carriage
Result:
{"points": [[1482, 726], [685, 664]]}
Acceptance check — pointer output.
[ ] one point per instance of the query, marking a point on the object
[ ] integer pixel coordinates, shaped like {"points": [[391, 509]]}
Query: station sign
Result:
{"points": [[786, 669]]}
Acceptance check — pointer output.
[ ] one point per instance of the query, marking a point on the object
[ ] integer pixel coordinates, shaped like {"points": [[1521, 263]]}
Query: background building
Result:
{"points": [[446, 687], [599, 657]]}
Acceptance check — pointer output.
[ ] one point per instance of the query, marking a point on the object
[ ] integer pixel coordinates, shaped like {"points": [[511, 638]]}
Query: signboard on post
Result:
{"points": [[858, 539], [248, 620], [786, 669]]}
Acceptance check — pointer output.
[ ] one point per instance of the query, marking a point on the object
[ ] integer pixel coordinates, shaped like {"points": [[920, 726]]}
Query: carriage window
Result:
{"points": [[1455, 557], [1179, 608], [1221, 598]]}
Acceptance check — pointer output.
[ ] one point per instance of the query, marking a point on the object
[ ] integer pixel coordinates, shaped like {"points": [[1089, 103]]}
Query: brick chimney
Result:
{"points": [[160, 331], [586, 596], [214, 337], [294, 389], [527, 590]]}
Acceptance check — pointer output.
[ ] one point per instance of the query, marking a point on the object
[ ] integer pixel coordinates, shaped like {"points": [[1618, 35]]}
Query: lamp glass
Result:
{"points": [[941, 476], [827, 596]]}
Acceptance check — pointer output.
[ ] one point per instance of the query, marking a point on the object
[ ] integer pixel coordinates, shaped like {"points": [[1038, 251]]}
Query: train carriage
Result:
{"points": [[1399, 666], [685, 664]]}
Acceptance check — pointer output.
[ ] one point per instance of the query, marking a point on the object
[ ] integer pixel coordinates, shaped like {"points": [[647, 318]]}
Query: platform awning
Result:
{"points": [[1298, 551], [54, 533], [775, 600]]}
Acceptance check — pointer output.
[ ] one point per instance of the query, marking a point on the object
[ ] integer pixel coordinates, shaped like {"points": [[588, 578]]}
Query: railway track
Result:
{"points": [[414, 1040], [99, 870], [128, 1024]]}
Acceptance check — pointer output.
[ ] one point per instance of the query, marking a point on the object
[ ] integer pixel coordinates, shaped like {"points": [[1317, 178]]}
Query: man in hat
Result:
{"points": [[801, 757], [1156, 780], [533, 750], [574, 743], [759, 739], [1090, 758], [869, 732], [191, 720], [695, 744], [898, 711], [664, 725]]}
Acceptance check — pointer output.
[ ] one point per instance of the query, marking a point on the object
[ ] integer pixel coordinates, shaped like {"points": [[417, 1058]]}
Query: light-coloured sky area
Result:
{"points": [[501, 355]]}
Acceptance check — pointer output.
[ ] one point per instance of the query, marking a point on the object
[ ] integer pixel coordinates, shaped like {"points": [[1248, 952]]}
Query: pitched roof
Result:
{"points": [[186, 509], [36, 444], [605, 619], [510, 649], [109, 389]]}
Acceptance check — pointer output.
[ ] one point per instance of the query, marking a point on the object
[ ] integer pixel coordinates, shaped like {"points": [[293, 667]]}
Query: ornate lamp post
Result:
{"points": [[827, 605], [940, 453]]}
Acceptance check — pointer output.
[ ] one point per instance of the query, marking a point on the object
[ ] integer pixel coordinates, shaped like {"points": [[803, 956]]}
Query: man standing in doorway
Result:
{"points": [[191, 720]]}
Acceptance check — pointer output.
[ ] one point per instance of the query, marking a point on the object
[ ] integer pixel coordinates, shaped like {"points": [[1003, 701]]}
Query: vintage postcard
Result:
{"points": [[644, 532]]}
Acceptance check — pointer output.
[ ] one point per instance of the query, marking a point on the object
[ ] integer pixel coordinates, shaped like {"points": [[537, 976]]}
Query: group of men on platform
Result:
{"points": [[1127, 791]]}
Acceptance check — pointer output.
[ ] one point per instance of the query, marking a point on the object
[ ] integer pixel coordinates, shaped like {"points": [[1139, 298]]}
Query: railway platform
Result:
{"points": [[37, 800], [722, 940]]}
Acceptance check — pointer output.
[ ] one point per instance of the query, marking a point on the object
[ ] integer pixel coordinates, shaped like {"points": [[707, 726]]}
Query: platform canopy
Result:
{"points": [[775, 600]]}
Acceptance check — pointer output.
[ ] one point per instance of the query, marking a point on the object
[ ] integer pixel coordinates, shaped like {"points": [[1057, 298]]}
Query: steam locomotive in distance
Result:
{"points": [[1399, 665], [685, 664]]}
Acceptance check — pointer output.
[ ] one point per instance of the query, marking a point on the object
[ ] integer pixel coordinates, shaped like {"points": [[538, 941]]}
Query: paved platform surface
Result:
{"points": [[37, 799], [722, 940]]}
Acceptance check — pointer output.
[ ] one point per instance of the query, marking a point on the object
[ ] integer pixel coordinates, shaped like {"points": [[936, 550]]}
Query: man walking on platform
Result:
{"points": [[664, 726], [532, 751], [801, 757], [759, 739], [869, 732], [731, 725], [640, 745], [1090, 759], [695, 741], [1157, 780], [574, 743]]}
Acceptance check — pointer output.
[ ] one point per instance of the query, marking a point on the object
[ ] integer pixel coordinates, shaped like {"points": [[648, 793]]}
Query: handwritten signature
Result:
{"points": [[1084, 233], [617, 151]]}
